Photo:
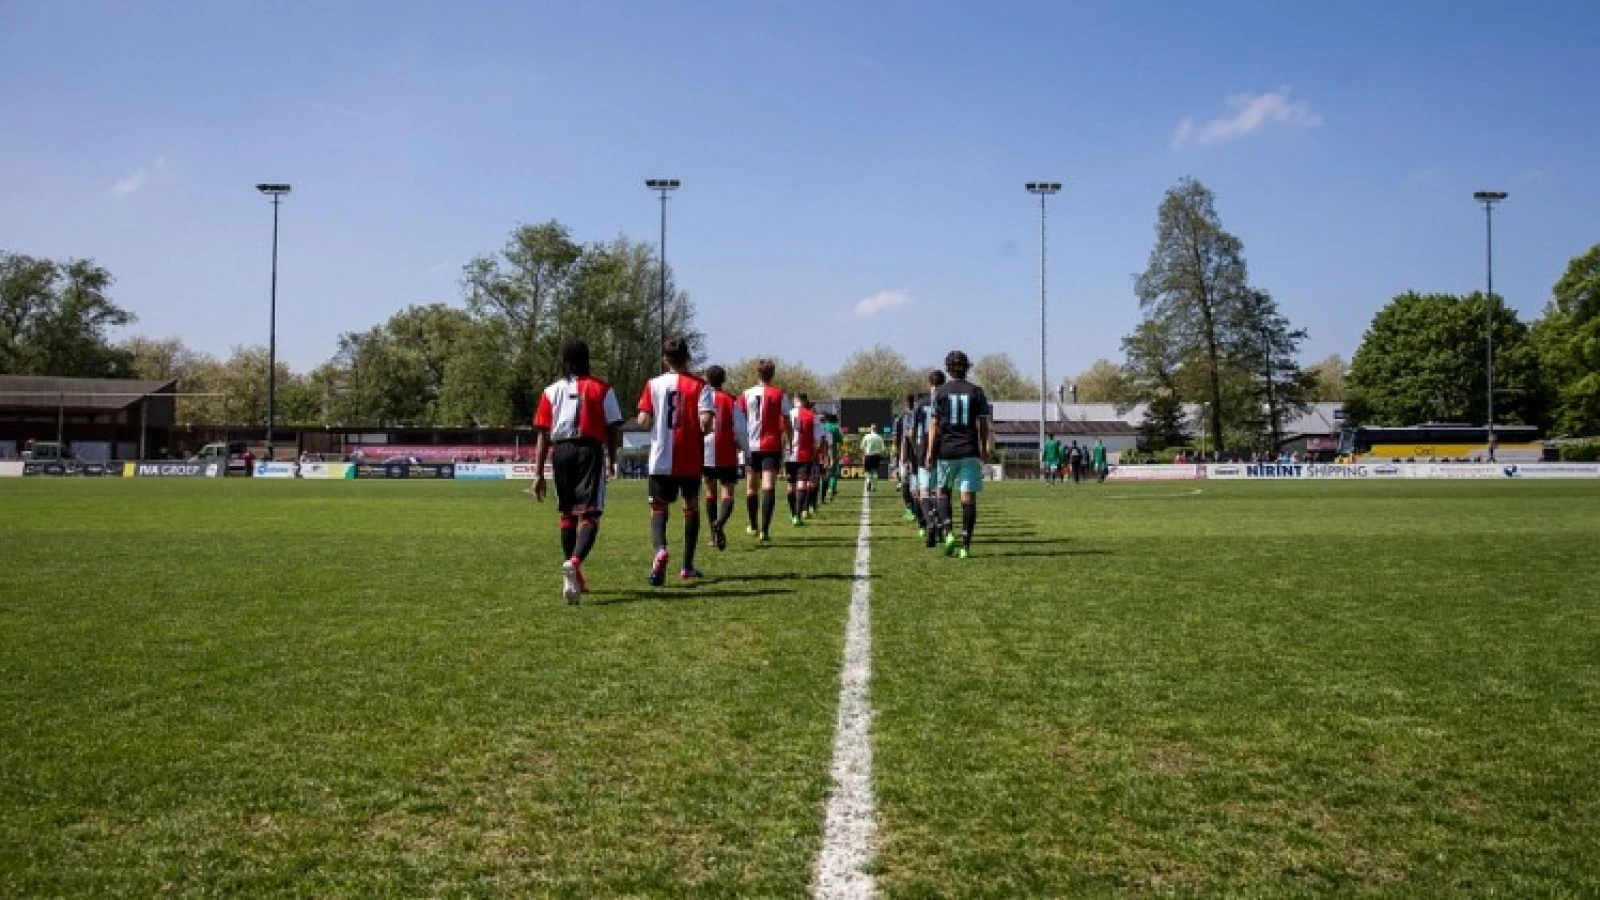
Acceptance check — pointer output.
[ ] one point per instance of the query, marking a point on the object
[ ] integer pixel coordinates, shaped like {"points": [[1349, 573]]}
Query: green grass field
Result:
{"points": [[360, 689]]}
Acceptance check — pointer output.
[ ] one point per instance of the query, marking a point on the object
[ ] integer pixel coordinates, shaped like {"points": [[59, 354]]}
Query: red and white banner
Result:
{"points": [[488, 453]]}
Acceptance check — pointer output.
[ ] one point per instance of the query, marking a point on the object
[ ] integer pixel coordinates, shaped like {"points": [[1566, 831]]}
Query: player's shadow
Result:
{"points": [[694, 592]]}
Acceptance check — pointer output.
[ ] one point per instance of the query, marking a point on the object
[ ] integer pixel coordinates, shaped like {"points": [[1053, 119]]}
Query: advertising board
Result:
{"points": [[404, 470], [1156, 473], [11, 469], [1553, 470], [274, 470], [176, 469], [325, 470], [71, 468], [483, 471]]}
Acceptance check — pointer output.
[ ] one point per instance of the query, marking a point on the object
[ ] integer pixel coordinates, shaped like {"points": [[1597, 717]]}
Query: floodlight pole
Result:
{"points": [[1489, 199], [1043, 189], [276, 192], [662, 186]]}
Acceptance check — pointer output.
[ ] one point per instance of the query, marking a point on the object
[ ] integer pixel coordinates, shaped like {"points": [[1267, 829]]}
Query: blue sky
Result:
{"points": [[831, 153]]}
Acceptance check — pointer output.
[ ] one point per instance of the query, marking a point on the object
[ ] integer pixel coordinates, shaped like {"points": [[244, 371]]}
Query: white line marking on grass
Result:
{"points": [[850, 829]]}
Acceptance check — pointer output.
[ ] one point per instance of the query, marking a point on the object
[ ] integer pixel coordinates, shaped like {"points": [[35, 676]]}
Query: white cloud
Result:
{"points": [[135, 181], [882, 300], [1246, 113]]}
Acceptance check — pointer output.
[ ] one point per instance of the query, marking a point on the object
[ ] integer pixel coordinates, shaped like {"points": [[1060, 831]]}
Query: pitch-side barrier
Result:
{"points": [[528, 471]]}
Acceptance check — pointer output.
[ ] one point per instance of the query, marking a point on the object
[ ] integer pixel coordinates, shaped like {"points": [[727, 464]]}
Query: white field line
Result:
{"points": [[850, 829]]}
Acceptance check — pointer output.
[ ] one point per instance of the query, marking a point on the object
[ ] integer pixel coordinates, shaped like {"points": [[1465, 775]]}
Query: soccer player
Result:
{"points": [[825, 469], [926, 493], [578, 416], [1098, 455], [678, 409], [835, 454], [872, 448], [802, 459], [904, 460], [728, 436], [1050, 461], [766, 411], [958, 440]]}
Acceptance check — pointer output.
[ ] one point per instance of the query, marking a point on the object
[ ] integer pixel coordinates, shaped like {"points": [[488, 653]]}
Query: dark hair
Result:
{"points": [[716, 376], [936, 378], [676, 351], [802, 397], [911, 399], [956, 363], [765, 369], [574, 358]]}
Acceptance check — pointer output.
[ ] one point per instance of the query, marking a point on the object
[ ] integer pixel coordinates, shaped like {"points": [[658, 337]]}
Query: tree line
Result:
{"points": [[1207, 337]]}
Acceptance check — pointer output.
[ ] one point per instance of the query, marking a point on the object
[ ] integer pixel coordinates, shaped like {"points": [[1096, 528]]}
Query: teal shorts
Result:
{"points": [[921, 480], [963, 476]]}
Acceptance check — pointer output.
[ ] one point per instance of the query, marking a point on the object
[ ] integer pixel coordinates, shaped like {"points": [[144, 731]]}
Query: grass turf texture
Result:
{"points": [[358, 689]]}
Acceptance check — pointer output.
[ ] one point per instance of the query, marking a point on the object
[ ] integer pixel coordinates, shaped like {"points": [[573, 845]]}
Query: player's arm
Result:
{"points": [[541, 452], [613, 411], [708, 410], [646, 408], [933, 441], [985, 425], [543, 421]]}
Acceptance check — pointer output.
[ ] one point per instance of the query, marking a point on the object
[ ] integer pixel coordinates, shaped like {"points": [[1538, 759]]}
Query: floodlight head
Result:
{"points": [[273, 190], [1489, 196], [1043, 187], [662, 184]]}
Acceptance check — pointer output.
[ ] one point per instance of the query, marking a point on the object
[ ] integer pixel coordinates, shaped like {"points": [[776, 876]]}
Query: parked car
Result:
{"points": [[232, 451]]}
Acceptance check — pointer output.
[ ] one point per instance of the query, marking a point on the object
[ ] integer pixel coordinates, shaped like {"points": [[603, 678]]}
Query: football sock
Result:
{"points": [[947, 521], [588, 530], [969, 520], [769, 501], [658, 528], [569, 536], [794, 510], [691, 534], [752, 505], [726, 512]]}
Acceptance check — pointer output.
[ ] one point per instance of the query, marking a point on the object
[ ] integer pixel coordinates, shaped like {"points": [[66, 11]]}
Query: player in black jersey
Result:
{"points": [[959, 438]]}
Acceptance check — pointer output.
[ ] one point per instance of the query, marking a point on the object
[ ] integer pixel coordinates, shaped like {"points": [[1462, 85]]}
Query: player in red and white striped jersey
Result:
{"points": [[678, 409], [802, 459], [767, 433], [579, 417], [728, 436]]}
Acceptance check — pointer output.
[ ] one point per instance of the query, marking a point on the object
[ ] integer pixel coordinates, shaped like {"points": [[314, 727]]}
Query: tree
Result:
{"points": [[1155, 369], [794, 378], [54, 319], [1262, 346], [1327, 379], [878, 372], [1568, 342], [1000, 378], [1422, 360], [1163, 425], [169, 359], [543, 288], [1105, 382], [1194, 284]]}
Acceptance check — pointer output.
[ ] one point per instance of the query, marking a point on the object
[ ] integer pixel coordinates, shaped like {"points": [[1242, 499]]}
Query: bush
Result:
{"points": [[1581, 451]]}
